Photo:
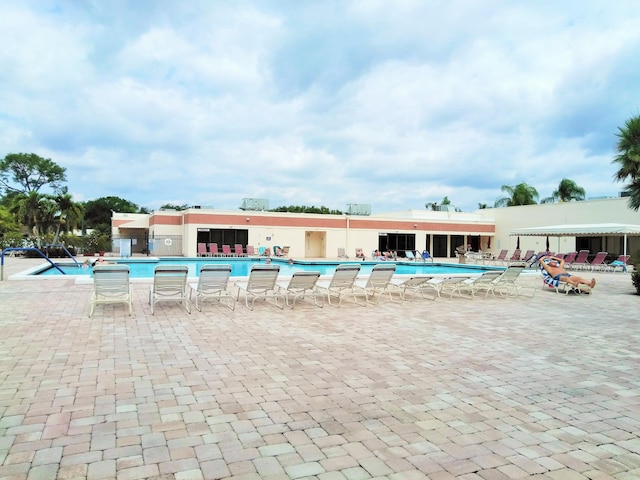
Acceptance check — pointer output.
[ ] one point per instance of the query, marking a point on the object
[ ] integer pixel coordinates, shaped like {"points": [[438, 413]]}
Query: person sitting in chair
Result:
{"points": [[360, 254], [554, 266]]}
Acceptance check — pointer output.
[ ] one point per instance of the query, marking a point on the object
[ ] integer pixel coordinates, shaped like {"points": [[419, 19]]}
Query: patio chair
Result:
{"points": [[619, 263], [569, 258], [559, 285], [410, 255], [238, 250], [301, 285], [342, 253], [213, 250], [414, 285], [341, 284], [202, 250], [169, 285], [598, 262], [528, 255], [111, 284], [251, 251], [260, 285], [580, 261], [212, 283], [506, 285], [377, 283], [449, 286], [473, 286], [515, 257], [501, 258], [226, 251]]}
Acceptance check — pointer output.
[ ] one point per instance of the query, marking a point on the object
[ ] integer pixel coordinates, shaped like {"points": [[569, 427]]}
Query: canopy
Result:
{"points": [[583, 230]]}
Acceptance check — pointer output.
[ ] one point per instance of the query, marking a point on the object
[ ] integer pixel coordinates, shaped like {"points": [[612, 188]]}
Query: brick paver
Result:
{"points": [[544, 387]]}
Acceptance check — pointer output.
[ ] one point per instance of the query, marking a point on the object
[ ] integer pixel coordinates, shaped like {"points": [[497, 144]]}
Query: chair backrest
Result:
{"points": [[414, 282], [511, 273], [226, 249], [237, 248], [213, 248], [528, 255], [202, 249], [341, 252], [111, 279], [344, 276], [263, 278], [214, 277], [262, 250], [251, 250], [381, 275], [516, 255], [502, 255], [169, 279], [570, 257], [624, 258], [303, 281], [409, 254], [488, 277], [599, 258], [582, 256]]}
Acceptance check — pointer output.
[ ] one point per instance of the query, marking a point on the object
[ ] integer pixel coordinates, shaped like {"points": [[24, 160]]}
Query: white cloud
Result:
{"points": [[327, 104]]}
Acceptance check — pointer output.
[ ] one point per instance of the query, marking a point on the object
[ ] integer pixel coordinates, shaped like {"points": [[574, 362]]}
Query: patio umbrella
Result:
{"points": [[547, 243], [518, 244]]}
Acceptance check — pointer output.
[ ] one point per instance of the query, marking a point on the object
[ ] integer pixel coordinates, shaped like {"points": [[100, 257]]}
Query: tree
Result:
{"points": [[628, 160], [171, 206], [98, 212], [521, 194], [32, 209], [567, 190], [69, 213], [30, 172]]}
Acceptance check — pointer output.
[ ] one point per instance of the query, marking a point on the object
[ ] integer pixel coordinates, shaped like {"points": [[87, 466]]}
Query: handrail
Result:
{"points": [[31, 249], [65, 250]]}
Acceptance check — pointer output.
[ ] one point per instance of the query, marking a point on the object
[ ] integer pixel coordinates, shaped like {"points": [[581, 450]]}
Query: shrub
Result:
{"points": [[635, 277]]}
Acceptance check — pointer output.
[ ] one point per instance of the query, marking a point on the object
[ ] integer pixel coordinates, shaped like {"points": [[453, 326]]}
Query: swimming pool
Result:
{"points": [[240, 267]]}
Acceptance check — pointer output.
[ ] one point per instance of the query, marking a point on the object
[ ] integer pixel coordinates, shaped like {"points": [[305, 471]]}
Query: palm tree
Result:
{"points": [[69, 213], [30, 209], [628, 160], [521, 194], [567, 190]]}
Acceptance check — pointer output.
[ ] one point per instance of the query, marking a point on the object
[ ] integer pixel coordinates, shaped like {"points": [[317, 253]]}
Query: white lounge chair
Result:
{"points": [[342, 283], [482, 283], [410, 256], [261, 284], [377, 283], [111, 284], [415, 285], [169, 285], [506, 285], [342, 253], [212, 283], [301, 285], [449, 286]]}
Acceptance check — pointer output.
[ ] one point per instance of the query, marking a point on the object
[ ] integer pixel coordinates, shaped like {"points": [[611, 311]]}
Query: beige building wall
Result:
{"points": [[320, 236]]}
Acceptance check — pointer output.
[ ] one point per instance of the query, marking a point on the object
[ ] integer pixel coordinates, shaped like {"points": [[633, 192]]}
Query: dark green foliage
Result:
{"points": [[635, 277], [304, 209]]}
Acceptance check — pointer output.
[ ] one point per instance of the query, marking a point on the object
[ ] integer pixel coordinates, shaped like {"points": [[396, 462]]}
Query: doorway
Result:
{"points": [[315, 245]]}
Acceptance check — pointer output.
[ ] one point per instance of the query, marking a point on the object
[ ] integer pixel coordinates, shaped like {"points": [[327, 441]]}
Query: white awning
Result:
{"points": [[583, 230]]}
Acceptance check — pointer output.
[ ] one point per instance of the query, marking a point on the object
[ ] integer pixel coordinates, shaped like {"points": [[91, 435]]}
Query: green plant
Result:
{"points": [[635, 277]]}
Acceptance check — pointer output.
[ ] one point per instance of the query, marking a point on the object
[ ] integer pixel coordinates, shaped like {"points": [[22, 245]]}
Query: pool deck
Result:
{"points": [[485, 389]]}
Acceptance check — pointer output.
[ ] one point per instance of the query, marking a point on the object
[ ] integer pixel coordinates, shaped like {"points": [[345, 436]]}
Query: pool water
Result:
{"points": [[143, 268]]}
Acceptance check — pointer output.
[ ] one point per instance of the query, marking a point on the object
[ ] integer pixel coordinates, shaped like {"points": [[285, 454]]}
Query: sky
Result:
{"points": [[393, 104]]}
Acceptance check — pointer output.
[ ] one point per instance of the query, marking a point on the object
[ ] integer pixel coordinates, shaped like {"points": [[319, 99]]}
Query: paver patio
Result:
{"points": [[545, 388]]}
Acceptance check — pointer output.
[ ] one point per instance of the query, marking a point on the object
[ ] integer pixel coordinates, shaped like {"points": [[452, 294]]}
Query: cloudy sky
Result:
{"points": [[388, 103]]}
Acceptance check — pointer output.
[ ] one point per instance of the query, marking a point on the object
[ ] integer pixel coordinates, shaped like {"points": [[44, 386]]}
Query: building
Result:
{"points": [[170, 232]]}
